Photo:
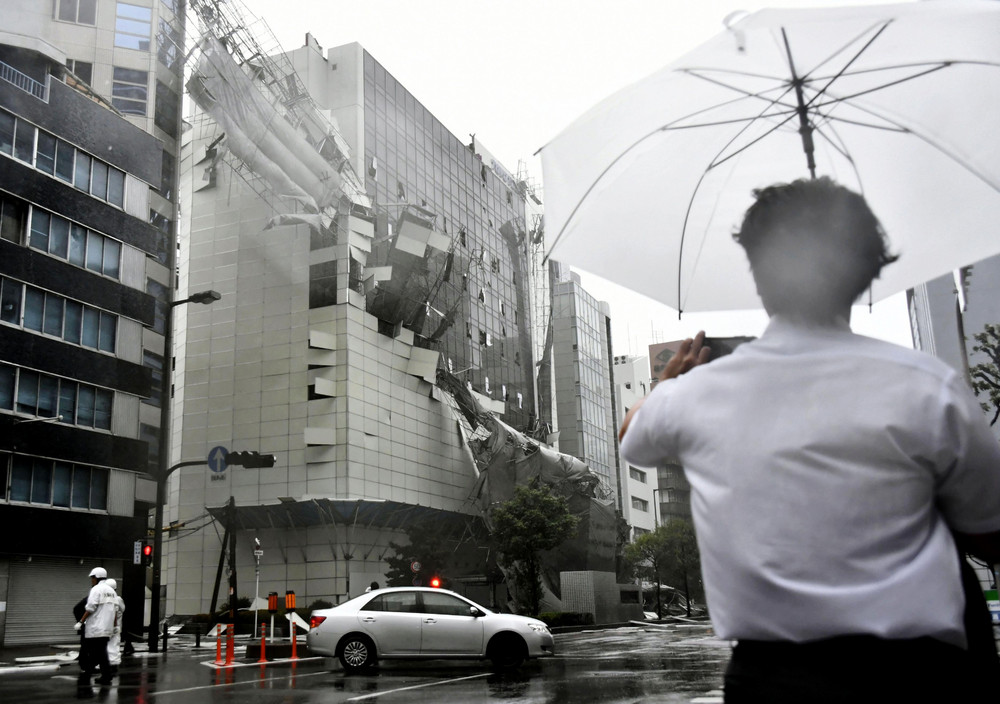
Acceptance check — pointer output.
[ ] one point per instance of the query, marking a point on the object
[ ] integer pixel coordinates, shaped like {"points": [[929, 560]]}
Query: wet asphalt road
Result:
{"points": [[611, 666]]}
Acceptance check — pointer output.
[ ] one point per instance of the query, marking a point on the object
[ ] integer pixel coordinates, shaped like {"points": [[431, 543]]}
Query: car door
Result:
{"points": [[393, 620], [448, 628]]}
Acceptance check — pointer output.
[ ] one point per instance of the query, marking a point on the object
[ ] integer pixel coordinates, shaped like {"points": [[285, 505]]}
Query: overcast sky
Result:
{"points": [[517, 72]]}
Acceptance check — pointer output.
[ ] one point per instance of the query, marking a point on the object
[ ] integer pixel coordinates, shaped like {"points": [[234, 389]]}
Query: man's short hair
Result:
{"points": [[813, 245]]}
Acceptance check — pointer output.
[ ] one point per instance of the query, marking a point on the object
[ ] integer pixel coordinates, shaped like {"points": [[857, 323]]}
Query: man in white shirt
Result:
{"points": [[115, 641], [831, 475], [98, 623]]}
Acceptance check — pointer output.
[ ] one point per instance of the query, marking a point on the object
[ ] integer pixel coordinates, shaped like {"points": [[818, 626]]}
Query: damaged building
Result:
{"points": [[381, 331]]}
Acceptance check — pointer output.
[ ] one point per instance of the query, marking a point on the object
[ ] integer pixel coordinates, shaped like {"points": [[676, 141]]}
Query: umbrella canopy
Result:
{"points": [[898, 102]]}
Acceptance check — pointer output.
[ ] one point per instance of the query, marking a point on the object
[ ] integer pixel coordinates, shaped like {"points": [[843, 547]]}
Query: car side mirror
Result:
{"points": [[473, 611]]}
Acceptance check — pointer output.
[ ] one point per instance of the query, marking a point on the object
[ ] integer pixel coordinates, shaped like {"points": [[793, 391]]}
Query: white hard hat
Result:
{"points": [[99, 572], [113, 583]]}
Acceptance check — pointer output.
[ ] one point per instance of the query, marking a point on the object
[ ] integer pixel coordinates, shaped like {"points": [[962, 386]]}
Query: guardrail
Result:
{"points": [[23, 81]]}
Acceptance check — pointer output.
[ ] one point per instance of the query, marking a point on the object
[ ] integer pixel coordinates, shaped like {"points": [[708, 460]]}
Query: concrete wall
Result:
{"points": [[599, 594]]}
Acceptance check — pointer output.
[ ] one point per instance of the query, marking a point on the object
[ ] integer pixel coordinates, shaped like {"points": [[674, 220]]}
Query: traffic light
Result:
{"points": [[147, 554], [250, 460], [435, 582]]}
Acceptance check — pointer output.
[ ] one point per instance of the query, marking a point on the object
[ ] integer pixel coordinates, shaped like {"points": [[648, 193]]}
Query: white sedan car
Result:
{"points": [[424, 623]]}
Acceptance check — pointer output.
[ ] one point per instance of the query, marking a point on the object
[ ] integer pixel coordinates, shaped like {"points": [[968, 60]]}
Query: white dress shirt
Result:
{"points": [[825, 471]]}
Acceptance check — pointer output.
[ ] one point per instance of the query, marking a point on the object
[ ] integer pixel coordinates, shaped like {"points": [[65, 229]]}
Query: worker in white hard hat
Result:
{"points": [[114, 643], [97, 622]]}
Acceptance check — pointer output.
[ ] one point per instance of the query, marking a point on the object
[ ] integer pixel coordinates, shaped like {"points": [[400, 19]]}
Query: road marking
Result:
{"points": [[416, 686], [236, 684]]}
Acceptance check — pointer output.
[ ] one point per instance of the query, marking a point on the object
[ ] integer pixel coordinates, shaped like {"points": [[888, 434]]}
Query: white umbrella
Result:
{"points": [[901, 103]]}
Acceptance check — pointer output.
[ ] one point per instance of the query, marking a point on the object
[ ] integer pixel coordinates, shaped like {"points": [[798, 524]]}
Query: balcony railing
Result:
{"points": [[23, 81]]}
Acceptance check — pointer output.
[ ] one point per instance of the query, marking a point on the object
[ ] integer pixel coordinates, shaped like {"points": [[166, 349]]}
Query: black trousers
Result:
{"points": [[854, 670], [93, 655]]}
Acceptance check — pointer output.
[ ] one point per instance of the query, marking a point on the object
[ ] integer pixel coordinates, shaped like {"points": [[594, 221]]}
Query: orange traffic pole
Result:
{"points": [[218, 645], [294, 641], [230, 646], [263, 642]]}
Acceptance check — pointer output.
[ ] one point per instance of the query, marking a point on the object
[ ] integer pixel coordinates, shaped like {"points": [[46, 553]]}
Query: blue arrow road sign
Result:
{"points": [[217, 458]]}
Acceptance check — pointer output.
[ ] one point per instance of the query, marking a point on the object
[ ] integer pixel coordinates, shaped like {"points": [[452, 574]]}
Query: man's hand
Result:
{"points": [[690, 354], [77, 626]]}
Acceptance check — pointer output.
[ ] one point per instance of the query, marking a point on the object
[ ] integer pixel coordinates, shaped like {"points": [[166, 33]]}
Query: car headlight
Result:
{"points": [[538, 627]]}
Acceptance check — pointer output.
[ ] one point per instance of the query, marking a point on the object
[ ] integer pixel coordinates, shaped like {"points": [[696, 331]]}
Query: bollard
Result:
{"points": [[263, 641], [218, 644], [294, 640], [230, 646]]}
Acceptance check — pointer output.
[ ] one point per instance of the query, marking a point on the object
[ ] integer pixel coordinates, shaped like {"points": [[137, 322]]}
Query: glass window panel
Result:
{"points": [[45, 152], [67, 10], [39, 238], [77, 245], [112, 256], [91, 327], [129, 75], [59, 237], [81, 487], [10, 302], [24, 141], [99, 489], [53, 321], [85, 405], [99, 180], [95, 251], [6, 387], [27, 391], [102, 408], [62, 478], [73, 322], [138, 28], [82, 178], [48, 395], [134, 11], [41, 482], [109, 328], [12, 214], [20, 479], [116, 187], [64, 160], [88, 12], [6, 132], [34, 305], [67, 402]]}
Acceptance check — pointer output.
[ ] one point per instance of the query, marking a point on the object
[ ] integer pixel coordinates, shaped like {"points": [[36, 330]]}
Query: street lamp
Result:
{"points": [[163, 470]]}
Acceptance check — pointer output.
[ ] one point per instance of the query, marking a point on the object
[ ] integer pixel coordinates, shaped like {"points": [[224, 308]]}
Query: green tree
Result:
{"points": [[647, 555], [428, 547], [533, 520], [668, 556], [985, 376], [683, 561]]}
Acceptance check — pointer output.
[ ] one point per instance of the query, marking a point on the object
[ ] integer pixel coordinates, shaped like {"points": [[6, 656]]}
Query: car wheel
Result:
{"points": [[507, 651], [356, 652]]}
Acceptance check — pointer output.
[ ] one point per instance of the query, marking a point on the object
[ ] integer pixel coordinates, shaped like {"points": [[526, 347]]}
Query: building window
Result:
{"points": [[129, 90], [55, 315], [323, 284], [54, 483], [133, 26], [640, 504], [74, 243], [169, 43], [78, 11], [83, 70], [165, 113], [46, 396], [12, 218], [637, 474], [167, 173]]}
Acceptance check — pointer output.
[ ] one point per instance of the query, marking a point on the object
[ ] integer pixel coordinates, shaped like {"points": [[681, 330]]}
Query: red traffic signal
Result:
{"points": [[147, 554], [435, 582]]}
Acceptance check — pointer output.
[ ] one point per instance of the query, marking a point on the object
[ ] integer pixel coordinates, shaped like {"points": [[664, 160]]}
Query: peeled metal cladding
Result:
{"points": [[99, 573]]}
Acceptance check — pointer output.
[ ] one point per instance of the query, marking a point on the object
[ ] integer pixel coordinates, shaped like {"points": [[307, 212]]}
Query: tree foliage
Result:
{"points": [[428, 547], [533, 521], [668, 556], [986, 375]]}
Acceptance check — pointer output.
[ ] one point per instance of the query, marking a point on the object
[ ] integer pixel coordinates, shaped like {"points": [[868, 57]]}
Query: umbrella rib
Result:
{"points": [[843, 69], [873, 89]]}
